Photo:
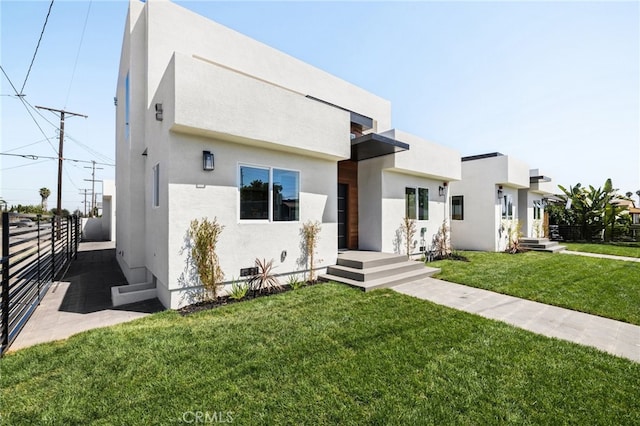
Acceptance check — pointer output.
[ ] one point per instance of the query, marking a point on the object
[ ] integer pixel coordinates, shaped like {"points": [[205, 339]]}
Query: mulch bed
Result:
{"points": [[226, 300]]}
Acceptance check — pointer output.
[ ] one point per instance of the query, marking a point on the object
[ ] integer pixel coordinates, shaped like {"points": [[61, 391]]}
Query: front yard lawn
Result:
{"points": [[325, 354], [609, 288], [616, 249]]}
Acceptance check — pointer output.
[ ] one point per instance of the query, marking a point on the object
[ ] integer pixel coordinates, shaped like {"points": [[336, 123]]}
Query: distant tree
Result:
{"points": [[63, 212], [28, 209], [591, 208], [44, 194], [77, 212]]}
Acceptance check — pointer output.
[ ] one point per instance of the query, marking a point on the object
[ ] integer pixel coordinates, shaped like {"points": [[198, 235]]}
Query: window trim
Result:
{"points": [[155, 195], [537, 210], [461, 199], [270, 197], [416, 198], [505, 203]]}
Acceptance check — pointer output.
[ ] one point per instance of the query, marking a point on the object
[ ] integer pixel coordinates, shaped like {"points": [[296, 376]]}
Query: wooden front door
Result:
{"points": [[343, 215], [348, 205]]}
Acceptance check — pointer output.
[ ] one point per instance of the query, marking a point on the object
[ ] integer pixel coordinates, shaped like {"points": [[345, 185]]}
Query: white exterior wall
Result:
{"points": [[381, 190], [108, 210], [194, 193], [212, 100], [532, 228], [130, 166], [173, 28], [424, 158], [370, 204], [483, 227], [393, 207]]}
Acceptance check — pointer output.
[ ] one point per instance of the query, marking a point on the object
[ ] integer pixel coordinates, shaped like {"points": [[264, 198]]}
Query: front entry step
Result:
{"points": [[541, 244], [373, 270]]}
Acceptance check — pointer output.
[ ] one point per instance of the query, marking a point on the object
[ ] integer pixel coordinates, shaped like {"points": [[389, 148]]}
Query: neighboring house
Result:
{"points": [[635, 221], [211, 123], [495, 192], [534, 221], [103, 227]]}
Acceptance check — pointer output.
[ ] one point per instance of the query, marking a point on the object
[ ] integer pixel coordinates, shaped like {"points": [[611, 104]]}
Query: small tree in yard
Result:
{"points": [[514, 234], [442, 243], [205, 235], [310, 232], [408, 228]]}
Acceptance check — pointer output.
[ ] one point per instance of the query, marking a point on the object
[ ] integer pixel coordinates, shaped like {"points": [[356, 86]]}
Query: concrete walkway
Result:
{"points": [[81, 300], [602, 256], [616, 337]]}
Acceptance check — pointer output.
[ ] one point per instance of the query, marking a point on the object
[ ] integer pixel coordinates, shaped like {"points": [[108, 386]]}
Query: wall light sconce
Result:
{"points": [[159, 112], [207, 161], [442, 189], [500, 192]]}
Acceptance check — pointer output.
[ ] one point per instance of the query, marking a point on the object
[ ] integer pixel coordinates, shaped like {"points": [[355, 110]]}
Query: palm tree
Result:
{"points": [[44, 193]]}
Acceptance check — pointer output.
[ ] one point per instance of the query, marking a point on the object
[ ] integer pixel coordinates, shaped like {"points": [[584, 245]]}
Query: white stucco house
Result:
{"points": [[211, 123], [496, 192]]}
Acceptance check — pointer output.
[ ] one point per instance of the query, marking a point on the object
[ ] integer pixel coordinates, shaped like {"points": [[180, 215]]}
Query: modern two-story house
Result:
{"points": [[497, 195], [211, 123]]}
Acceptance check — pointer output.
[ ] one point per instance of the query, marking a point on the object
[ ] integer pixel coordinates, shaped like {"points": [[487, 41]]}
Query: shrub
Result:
{"points": [[239, 290], [408, 228], [310, 231], [294, 282], [514, 234], [442, 243], [264, 280], [205, 235]]}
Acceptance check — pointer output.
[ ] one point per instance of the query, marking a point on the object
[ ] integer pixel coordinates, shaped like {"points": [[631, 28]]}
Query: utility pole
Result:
{"points": [[85, 201], [93, 185], [60, 157]]}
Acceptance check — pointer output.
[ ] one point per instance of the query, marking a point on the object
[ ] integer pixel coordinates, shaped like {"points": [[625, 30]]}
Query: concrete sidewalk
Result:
{"points": [[81, 300], [601, 256], [616, 337]]}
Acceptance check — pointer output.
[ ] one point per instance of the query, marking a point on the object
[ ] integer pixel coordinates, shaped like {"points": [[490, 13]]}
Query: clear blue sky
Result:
{"points": [[554, 84]]}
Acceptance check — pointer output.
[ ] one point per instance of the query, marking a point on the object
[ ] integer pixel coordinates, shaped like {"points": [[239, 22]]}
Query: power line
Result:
{"points": [[23, 165], [24, 146], [37, 157], [37, 46], [21, 97], [10, 82], [75, 64], [68, 136], [89, 149]]}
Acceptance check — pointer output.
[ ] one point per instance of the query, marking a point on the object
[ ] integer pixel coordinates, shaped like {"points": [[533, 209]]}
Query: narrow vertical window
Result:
{"points": [[286, 195], [410, 203], [507, 206], [156, 185], [254, 193], [126, 107], [423, 204], [537, 210], [457, 207]]}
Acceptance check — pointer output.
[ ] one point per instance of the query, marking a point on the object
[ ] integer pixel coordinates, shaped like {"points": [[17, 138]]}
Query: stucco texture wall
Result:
{"points": [[194, 194]]}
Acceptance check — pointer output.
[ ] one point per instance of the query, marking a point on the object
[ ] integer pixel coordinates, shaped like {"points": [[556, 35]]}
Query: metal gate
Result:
{"points": [[35, 249]]}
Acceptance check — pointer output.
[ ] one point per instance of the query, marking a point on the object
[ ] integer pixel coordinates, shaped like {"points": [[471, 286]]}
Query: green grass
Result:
{"points": [[616, 249], [609, 288], [324, 354]]}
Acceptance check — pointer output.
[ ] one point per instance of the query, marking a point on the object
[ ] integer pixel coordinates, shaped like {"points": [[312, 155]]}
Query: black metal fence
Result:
{"points": [[35, 249]]}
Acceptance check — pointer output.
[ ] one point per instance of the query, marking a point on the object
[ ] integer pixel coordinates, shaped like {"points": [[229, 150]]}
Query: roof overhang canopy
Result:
{"points": [[535, 179], [374, 145]]}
